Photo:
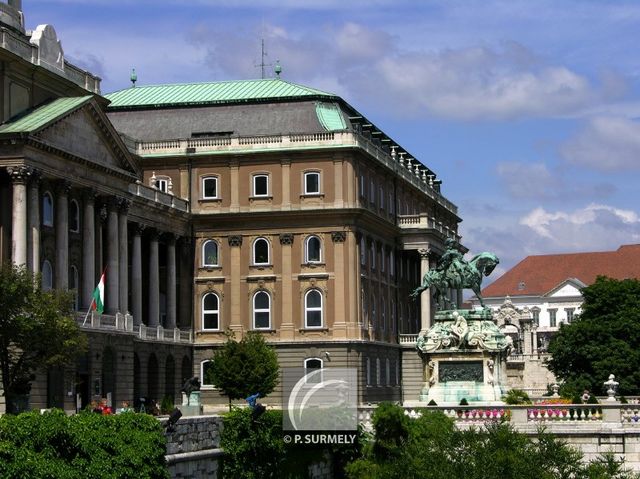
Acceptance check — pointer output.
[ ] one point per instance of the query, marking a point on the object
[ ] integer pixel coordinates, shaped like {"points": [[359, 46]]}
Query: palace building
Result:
{"points": [[258, 205]]}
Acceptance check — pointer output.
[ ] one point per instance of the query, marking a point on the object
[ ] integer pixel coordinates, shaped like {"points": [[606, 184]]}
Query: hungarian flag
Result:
{"points": [[98, 296]]}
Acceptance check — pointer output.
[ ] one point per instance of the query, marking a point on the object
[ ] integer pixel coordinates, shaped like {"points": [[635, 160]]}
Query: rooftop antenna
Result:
{"points": [[277, 69], [133, 77], [262, 64]]}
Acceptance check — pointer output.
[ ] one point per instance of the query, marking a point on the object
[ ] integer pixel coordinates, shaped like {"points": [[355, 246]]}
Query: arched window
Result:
{"points": [[206, 371], [313, 309], [210, 253], [47, 209], [74, 216], [47, 276], [310, 366], [312, 183], [313, 250], [210, 312], [73, 285], [210, 188], [261, 251], [261, 185], [261, 310]]}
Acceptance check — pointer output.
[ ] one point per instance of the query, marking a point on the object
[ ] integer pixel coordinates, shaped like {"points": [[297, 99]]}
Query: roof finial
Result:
{"points": [[277, 69], [133, 77]]}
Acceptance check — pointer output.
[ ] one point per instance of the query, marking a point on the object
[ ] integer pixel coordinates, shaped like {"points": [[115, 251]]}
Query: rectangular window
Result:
{"points": [[312, 183], [368, 371], [570, 312], [362, 192], [536, 317], [162, 185], [372, 192], [209, 188], [381, 198], [552, 318], [260, 185]]}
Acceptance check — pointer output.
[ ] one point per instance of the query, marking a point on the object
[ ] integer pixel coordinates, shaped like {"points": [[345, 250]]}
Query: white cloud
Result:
{"points": [[606, 143]]}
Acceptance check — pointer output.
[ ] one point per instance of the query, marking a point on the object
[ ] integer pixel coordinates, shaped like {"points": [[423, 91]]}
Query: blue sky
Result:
{"points": [[528, 111]]}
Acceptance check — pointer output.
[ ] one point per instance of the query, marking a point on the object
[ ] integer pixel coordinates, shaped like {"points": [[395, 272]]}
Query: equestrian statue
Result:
{"points": [[454, 272]]}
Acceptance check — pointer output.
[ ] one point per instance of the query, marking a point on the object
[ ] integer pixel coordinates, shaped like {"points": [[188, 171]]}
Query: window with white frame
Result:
{"points": [[535, 312], [313, 250], [206, 374], [74, 217], [570, 313], [47, 209], [311, 365], [162, 183], [210, 188], [312, 183], [261, 185], [261, 251], [553, 317], [47, 276], [261, 310], [210, 312], [210, 253], [313, 309]]}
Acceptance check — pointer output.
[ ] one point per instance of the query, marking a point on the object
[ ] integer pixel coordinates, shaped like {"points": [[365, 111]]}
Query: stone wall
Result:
{"points": [[193, 447]]}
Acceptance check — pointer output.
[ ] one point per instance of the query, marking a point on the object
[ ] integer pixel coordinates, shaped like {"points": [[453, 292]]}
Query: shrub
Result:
{"points": [[464, 402], [516, 396], [166, 406], [53, 445]]}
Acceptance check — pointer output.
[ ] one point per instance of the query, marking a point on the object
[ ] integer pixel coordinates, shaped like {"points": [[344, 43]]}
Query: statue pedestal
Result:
{"points": [[191, 405], [464, 355]]}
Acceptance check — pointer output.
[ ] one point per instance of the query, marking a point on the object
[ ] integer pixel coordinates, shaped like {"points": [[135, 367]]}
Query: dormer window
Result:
{"points": [[161, 182]]}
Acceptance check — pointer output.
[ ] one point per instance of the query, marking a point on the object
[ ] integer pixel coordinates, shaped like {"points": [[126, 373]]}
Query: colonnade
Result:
{"points": [[111, 213]]}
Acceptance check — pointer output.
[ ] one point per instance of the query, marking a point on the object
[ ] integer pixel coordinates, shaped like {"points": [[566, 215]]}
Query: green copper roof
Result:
{"points": [[44, 115], [212, 92], [330, 117]]}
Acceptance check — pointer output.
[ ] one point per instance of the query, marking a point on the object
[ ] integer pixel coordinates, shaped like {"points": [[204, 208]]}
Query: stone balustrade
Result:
{"points": [[125, 323]]}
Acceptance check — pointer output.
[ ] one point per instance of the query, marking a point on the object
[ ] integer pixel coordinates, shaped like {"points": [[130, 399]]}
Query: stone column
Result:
{"points": [[185, 266], [136, 274], [33, 231], [154, 281], [62, 234], [234, 166], [171, 281], [235, 242], [425, 297], [88, 249], [112, 293], [337, 180], [123, 256], [287, 328], [534, 339], [339, 320], [286, 183], [19, 176]]}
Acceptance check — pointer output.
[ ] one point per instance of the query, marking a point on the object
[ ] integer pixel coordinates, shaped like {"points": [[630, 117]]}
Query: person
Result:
{"points": [[105, 408], [125, 407], [586, 396], [451, 263]]}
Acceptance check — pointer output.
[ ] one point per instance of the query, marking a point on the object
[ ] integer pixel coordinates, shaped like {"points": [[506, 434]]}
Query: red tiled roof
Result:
{"points": [[537, 275]]}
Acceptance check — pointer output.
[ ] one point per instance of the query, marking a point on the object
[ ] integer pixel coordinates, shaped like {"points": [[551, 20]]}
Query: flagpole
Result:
{"points": [[93, 300]]}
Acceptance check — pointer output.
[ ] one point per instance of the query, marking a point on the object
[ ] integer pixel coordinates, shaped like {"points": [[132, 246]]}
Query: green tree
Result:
{"points": [[434, 448], [604, 339], [37, 330], [245, 367]]}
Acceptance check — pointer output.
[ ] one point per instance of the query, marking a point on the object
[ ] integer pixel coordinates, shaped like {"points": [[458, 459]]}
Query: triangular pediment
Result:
{"points": [[568, 288], [87, 133]]}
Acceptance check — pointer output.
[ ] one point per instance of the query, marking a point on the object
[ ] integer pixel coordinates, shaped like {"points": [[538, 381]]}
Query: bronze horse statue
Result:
{"points": [[461, 275]]}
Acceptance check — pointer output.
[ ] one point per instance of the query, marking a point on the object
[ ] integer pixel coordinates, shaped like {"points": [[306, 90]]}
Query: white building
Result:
{"points": [[532, 300]]}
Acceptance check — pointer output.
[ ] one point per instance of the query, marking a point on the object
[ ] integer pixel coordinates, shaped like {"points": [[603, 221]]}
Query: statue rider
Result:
{"points": [[451, 263]]}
